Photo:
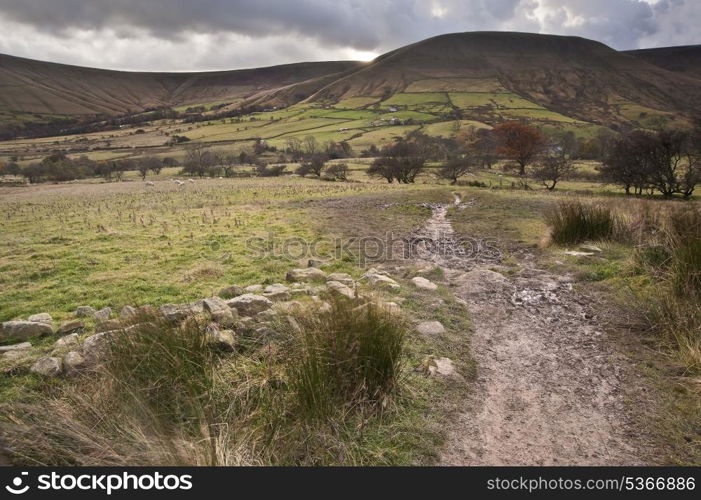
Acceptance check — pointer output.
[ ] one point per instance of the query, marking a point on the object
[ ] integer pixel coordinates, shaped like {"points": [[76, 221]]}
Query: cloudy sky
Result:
{"points": [[180, 35]]}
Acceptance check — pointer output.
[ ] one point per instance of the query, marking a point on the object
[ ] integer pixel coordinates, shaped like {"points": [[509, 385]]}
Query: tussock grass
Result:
{"points": [[574, 221], [350, 355]]}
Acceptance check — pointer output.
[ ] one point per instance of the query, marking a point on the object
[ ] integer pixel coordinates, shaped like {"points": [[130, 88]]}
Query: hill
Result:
{"points": [[684, 59]]}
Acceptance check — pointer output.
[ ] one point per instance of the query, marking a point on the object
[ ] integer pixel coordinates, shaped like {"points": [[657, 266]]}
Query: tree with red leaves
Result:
{"points": [[519, 142]]}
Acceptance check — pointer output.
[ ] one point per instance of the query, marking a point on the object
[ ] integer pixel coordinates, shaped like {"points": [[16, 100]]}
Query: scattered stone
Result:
{"points": [[103, 314], [430, 328], [85, 312], [339, 288], [305, 275], [344, 278], [441, 367], [484, 282], [575, 253], [67, 341], [231, 291], [296, 292], [222, 340], [590, 248], [178, 312], [70, 327], [220, 311], [109, 326], [250, 304], [15, 347], [95, 346], [73, 362], [289, 307], [128, 312], [41, 318], [325, 307], [23, 330], [376, 278], [314, 263], [47, 367], [253, 289], [423, 284], [277, 292], [16, 354], [267, 315], [392, 307]]}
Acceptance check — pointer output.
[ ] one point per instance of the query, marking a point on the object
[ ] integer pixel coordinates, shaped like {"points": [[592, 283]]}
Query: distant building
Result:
{"points": [[393, 109]]}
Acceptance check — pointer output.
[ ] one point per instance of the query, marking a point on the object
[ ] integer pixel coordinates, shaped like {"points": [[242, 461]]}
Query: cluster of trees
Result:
{"points": [[57, 167], [666, 161]]}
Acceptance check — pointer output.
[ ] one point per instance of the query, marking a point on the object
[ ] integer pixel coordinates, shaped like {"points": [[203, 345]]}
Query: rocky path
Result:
{"points": [[550, 389]]}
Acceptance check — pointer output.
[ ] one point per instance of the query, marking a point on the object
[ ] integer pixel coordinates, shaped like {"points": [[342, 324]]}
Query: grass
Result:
{"points": [[574, 221]]}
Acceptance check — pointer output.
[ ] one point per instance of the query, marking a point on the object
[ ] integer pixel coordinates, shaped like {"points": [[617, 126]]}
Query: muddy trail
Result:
{"points": [[549, 389]]}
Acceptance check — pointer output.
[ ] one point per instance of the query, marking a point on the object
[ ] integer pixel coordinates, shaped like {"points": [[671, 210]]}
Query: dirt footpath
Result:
{"points": [[550, 388]]}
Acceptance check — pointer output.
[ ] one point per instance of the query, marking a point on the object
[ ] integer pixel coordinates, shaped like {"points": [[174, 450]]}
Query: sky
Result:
{"points": [[198, 35]]}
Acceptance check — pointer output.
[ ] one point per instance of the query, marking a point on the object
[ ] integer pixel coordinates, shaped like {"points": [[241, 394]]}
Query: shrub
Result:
{"points": [[573, 221], [350, 355]]}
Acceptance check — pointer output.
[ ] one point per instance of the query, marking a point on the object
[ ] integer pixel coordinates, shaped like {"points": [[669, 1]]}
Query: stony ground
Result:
{"points": [[550, 388]]}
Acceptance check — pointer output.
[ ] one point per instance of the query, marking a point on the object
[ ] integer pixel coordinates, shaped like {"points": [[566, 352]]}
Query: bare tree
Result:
{"points": [[551, 169]]}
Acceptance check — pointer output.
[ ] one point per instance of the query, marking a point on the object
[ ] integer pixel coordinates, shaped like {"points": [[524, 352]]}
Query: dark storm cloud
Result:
{"points": [[207, 34]]}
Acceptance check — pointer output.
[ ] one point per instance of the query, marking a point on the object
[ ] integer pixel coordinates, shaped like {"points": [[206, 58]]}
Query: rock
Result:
{"points": [[70, 327], [16, 354], [344, 278], [430, 328], [250, 304], [267, 315], [74, 362], [423, 284], [178, 312], [220, 311], [376, 278], [314, 263], [103, 314], [590, 248], [47, 367], [15, 347], [324, 307], [109, 326], [391, 307], [575, 253], [305, 275], [484, 282], [85, 312], [442, 367], [128, 312], [67, 341], [231, 291], [222, 340], [277, 292], [23, 330], [253, 289], [289, 307], [95, 346], [298, 292], [41, 318], [338, 288]]}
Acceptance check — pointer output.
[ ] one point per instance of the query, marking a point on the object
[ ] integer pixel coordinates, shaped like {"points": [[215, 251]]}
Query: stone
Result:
{"points": [[109, 326], [70, 327], [305, 275], [231, 291], [324, 307], [590, 248], [220, 311], [267, 315], [314, 263], [85, 312], [74, 362], [24, 330], [575, 253], [338, 288], [430, 328], [103, 314], [380, 280], [253, 289], [298, 292], [442, 367], [128, 312], [67, 341], [47, 367], [392, 307], [95, 346], [277, 292], [250, 304], [178, 312], [16, 354], [423, 284], [289, 307], [41, 318], [221, 340], [344, 278], [15, 347]]}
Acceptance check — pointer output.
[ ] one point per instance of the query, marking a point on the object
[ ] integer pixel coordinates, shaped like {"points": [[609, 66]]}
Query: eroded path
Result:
{"points": [[550, 389]]}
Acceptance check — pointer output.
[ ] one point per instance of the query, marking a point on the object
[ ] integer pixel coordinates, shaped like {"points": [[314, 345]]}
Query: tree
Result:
{"points": [[519, 142], [312, 164], [198, 161], [402, 161], [311, 145], [143, 170], [553, 168], [336, 172], [455, 167], [227, 162], [294, 148]]}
